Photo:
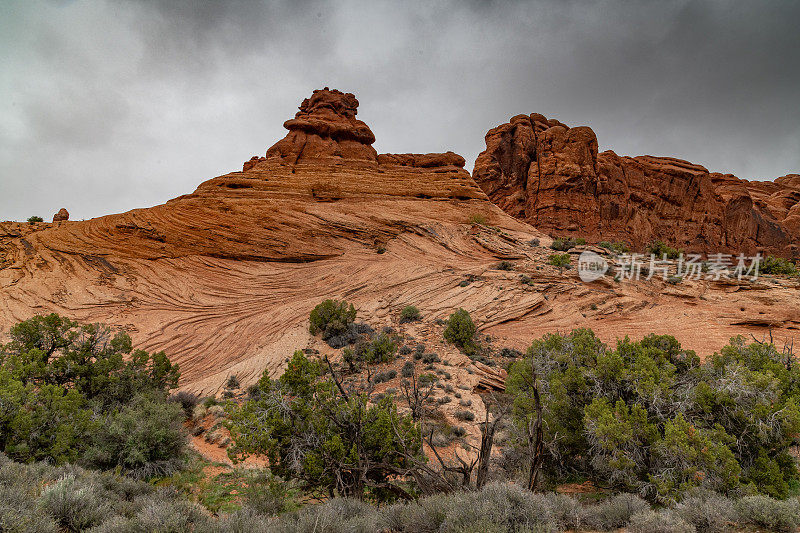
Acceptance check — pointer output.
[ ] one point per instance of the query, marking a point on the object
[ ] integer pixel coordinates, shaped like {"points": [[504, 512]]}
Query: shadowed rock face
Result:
{"points": [[552, 176]]}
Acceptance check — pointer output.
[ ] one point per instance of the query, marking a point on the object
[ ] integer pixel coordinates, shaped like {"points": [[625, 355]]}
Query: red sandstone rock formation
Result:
{"points": [[552, 176], [62, 215], [326, 128], [223, 279]]}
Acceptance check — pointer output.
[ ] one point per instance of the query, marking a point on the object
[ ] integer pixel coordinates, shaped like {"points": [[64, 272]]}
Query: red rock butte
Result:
{"points": [[550, 175], [223, 279]]}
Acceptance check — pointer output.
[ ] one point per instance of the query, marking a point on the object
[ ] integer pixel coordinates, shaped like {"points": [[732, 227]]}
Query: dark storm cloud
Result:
{"points": [[108, 106]]}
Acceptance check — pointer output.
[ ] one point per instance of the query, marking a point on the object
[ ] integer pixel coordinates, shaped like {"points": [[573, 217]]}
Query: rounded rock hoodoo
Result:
{"points": [[326, 127], [61, 216]]}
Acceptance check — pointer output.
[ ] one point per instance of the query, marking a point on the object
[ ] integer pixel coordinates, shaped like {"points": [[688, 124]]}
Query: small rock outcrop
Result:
{"points": [[61, 216], [543, 172]]}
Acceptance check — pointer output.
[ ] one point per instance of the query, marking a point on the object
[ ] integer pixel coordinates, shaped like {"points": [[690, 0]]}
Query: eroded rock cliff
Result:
{"points": [[552, 176]]}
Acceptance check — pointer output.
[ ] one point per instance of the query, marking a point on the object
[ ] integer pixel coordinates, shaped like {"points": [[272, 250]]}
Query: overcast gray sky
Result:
{"points": [[107, 106]]}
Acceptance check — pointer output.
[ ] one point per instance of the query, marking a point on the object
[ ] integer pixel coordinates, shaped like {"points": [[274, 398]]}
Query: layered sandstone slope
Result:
{"points": [[224, 278], [552, 176]]}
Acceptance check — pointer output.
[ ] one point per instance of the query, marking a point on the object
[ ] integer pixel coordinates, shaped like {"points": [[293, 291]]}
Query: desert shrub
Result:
{"points": [[252, 391], [616, 246], [34, 219], [566, 244], [144, 438], [40, 497], [19, 517], [775, 515], [498, 507], [505, 265], [510, 353], [707, 511], [343, 439], [337, 515], [777, 265], [560, 261], [233, 382], [75, 504], [567, 512], [464, 415], [245, 520], [665, 521], [405, 350], [408, 369], [430, 358], [352, 336], [661, 250], [614, 512], [465, 403], [217, 410], [409, 314], [382, 377], [648, 417], [20, 487], [535, 242], [165, 514], [187, 400], [425, 515], [199, 412], [331, 318], [60, 382], [461, 331], [268, 495], [381, 349]]}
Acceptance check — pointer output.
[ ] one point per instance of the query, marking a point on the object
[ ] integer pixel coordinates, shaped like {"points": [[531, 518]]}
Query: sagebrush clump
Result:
{"points": [[566, 244], [409, 314]]}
